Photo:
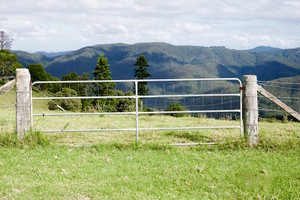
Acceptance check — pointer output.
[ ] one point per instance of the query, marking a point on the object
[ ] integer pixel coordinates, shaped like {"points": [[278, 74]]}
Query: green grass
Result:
{"points": [[110, 165], [31, 139], [114, 122], [148, 172], [8, 112]]}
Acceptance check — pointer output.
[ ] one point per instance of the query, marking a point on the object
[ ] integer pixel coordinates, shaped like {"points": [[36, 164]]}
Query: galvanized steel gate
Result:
{"points": [[137, 97]]}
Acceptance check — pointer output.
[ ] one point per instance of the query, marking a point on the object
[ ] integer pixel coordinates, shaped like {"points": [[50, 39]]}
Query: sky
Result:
{"points": [[63, 25]]}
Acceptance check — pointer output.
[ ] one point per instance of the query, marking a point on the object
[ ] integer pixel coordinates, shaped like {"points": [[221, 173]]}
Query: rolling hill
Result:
{"points": [[169, 61]]}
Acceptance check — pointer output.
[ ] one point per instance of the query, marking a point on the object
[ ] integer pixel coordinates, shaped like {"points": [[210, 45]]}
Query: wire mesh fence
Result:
{"points": [[287, 92], [8, 112], [154, 124]]}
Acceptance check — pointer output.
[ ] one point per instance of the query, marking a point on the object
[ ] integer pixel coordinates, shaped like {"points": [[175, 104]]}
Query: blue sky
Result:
{"points": [[61, 25]]}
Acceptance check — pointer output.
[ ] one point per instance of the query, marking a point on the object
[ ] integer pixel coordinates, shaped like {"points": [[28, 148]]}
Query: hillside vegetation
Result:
{"points": [[169, 61]]}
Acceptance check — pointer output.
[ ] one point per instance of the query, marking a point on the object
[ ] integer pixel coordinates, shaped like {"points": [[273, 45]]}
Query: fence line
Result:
{"points": [[287, 92], [275, 82], [137, 97], [8, 112], [270, 110], [284, 98], [278, 102], [281, 87]]}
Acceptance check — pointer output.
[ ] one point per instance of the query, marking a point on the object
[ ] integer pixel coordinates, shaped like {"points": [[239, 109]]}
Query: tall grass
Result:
{"points": [[31, 139]]}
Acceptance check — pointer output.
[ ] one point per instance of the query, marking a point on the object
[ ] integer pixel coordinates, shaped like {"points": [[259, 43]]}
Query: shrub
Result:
{"points": [[116, 105], [106, 105], [176, 107], [126, 105], [67, 104]]}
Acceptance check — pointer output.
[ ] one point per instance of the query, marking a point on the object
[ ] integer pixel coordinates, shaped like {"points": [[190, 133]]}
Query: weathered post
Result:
{"points": [[250, 109], [23, 100]]}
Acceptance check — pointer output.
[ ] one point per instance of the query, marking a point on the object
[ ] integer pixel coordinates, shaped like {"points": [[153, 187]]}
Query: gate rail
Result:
{"points": [[137, 97]]}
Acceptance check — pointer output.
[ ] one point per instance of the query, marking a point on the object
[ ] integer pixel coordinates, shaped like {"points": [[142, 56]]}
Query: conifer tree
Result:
{"points": [[141, 73], [102, 72]]}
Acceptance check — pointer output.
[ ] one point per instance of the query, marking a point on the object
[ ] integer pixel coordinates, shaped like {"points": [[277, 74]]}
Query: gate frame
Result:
{"points": [[137, 97]]}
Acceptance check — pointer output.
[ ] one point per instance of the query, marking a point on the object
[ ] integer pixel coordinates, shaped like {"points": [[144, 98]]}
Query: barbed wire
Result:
{"points": [[270, 110], [286, 99], [259, 96], [276, 82], [290, 101], [290, 88]]}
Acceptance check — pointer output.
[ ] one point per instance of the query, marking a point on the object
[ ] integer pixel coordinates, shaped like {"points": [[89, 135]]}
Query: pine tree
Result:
{"points": [[141, 73], [102, 72]]}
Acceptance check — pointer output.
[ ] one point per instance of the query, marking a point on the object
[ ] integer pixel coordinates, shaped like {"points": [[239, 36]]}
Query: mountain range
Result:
{"points": [[169, 61]]}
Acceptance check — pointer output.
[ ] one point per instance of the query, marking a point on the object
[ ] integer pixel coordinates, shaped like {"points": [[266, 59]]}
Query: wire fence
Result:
{"points": [[200, 100], [8, 112], [287, 92], [190, 103]]}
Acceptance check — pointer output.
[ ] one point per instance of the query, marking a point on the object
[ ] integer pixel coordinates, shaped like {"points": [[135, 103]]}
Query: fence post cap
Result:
{"points": [[250, 77], [22, 71]]}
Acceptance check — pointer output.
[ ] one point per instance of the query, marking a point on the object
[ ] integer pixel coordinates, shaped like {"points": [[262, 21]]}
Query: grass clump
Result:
{"points": [[31, 139]]}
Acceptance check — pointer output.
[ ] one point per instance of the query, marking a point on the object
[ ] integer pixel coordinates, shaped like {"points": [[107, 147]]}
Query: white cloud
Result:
{"points": [[71, 24], [193, 27], [293, 3], [283, 42], [95, 30]]}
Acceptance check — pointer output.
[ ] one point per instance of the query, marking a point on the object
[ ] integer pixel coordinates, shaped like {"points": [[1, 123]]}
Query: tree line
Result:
{"points": [[9, 63], [101, 72]]}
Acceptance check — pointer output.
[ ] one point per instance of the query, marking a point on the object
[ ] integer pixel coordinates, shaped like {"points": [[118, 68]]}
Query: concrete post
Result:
{"points": [[23, 100], [250, 109]]}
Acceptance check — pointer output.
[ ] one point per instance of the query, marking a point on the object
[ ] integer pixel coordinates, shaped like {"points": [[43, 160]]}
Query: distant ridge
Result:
{"points": [[265, 49], [170, 61], [52, 54]]}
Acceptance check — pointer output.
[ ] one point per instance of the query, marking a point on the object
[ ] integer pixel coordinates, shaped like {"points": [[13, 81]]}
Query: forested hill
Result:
{"points": [[169, 61]]}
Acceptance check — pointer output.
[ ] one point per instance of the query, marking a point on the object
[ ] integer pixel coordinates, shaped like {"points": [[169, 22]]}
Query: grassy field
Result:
{"points": [[112, 166], [148, 172]]}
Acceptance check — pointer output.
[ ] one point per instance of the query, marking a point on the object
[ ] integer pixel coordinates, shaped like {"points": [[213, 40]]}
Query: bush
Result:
{"points": [[67, 104], [106, 105], [126, 105], [116, 105], [176, 107]]}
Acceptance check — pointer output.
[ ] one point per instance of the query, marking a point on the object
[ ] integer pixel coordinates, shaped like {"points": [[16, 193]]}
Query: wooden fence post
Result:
{"points": [[250, 109], [23, 100]]}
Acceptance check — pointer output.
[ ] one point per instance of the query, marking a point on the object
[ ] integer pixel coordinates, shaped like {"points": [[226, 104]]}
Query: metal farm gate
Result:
{"points": [[137, 97]]}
